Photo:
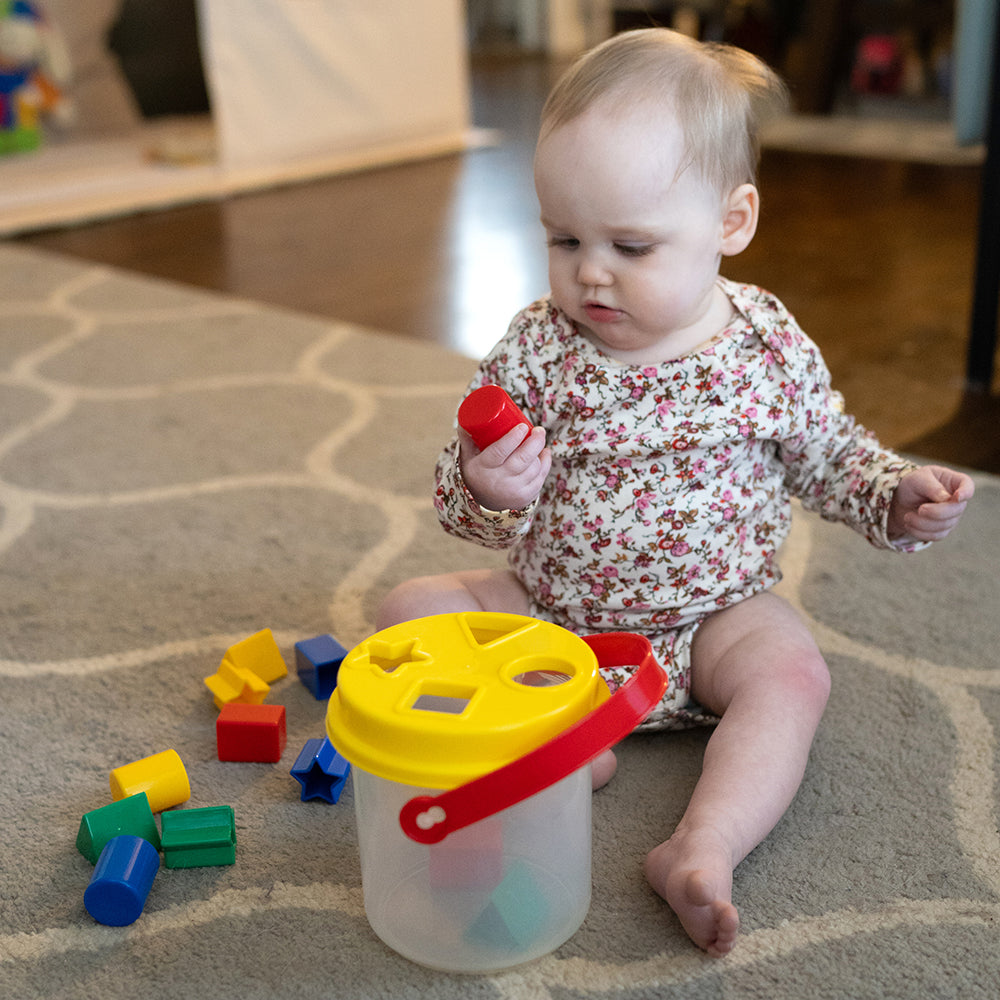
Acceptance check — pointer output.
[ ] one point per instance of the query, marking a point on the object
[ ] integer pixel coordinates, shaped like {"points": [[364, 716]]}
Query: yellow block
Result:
{"points": [[260, 655], [162, 777], [232, 683]]}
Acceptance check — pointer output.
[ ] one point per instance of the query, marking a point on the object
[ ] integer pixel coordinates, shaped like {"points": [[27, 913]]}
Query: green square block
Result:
{"points": [[516, 913], [194, 838], [131, 815]]}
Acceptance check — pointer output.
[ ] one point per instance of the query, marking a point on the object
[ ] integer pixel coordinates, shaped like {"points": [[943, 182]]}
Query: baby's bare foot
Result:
{"points": [[693, 873]]}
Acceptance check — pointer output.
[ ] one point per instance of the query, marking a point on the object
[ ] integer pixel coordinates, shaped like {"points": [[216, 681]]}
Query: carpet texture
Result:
{"points": [[179, 470]]}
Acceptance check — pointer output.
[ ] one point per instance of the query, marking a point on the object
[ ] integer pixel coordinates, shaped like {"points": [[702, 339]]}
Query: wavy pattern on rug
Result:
{"points": [[178, 470]]}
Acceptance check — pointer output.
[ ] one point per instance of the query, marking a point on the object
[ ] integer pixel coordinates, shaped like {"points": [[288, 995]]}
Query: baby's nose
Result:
{"points": [[592, 271]]}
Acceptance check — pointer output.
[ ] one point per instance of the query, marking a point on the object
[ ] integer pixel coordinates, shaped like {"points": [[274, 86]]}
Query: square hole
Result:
{"points": [[443, 703]]}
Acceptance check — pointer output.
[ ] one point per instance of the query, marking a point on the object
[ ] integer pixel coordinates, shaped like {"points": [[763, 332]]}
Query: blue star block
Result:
{"points": [[317, 662], [321, 771]]}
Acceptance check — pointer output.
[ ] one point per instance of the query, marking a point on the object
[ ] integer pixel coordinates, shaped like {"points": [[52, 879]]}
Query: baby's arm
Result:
{"points": [[928, 503], [508, 475]]}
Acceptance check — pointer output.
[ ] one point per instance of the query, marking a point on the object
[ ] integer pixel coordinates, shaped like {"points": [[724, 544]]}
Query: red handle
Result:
{"points": [[428, 819]]}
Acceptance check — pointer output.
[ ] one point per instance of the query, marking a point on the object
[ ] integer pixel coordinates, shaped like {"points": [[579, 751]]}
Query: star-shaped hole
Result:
{"points": [[390, 656]]}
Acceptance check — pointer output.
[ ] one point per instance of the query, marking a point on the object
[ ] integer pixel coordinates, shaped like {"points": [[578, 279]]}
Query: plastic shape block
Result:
{"points": [[232, 683], [260, 655], [317, 662], [489, 929], [196, 838], [470, 858], [251, 732], [121, 881], [130, 815], [321, 771], [162, 777], [488, 413], [517, 910]]}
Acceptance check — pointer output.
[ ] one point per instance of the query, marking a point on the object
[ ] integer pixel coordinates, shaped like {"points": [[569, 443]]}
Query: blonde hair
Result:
{"points": [[719, 94]]}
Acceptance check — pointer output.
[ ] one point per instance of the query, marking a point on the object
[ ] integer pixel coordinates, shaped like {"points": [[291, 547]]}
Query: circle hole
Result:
{"points": [[542, 678]]}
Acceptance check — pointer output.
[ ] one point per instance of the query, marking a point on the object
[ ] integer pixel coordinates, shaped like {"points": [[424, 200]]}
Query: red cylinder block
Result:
{"points": [[488, 413]]}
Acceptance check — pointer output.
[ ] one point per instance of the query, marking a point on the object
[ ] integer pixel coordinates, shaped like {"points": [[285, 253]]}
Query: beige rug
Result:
{"points": [[179, 470]]}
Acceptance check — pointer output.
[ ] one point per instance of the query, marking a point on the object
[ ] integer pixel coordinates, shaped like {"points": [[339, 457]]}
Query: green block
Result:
{"points": [[129, 816], [516, 913], [194, 838], [521, 904], [490, 929], [19, 140]]}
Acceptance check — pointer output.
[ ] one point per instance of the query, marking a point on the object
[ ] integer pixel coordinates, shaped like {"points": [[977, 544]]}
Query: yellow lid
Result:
{"points": [[442, 700]]}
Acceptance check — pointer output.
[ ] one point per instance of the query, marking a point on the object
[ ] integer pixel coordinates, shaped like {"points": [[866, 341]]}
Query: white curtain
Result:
{"points": [[292, 80]]}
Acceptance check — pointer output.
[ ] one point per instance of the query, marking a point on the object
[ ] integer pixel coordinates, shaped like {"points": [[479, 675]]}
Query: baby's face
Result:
{"points": [[634, 241]]}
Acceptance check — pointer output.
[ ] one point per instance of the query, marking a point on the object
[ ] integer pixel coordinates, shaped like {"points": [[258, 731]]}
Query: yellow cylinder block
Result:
{"points": [[162, 777]]}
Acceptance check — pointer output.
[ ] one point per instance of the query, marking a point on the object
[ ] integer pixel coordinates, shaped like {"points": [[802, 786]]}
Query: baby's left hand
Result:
{"points": [[928, 503]]}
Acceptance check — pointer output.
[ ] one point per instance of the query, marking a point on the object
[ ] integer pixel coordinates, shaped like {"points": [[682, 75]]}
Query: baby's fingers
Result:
{"points": [[536, 474], [493, 456], [931, 522], [528, 450], [503, 449]]}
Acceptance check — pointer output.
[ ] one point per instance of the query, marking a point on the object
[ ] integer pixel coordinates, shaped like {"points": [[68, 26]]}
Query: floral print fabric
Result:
{"points": [[670, 486]]}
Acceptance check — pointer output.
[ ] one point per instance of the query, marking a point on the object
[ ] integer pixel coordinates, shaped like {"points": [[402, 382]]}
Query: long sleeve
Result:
{"points": [[520, 363], [461, 515], [835, 466]]}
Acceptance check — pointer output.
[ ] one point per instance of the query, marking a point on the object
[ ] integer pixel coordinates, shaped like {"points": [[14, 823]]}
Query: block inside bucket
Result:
{"points": [[471, 858], [516, 913]]}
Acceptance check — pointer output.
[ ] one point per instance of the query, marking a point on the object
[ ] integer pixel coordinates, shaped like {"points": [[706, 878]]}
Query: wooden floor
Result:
{"points": [[874, 258]]}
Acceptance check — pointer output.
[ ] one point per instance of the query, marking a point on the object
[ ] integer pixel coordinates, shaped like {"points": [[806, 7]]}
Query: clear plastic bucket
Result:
{"points": [[504, 890], [472, 779]]}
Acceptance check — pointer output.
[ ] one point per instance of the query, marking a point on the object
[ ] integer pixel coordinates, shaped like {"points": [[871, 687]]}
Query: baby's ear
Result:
{"points": [[739, 220]]}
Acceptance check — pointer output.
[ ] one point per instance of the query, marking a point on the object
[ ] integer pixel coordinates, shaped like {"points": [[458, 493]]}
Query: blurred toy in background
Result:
{"points": [[34, 67], [913, 73], [878, 65], [903, 64]]}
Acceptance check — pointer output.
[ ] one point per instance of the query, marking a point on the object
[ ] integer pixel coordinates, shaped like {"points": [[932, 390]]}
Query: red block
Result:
{"points": [[470, 858], [251, 732], [488, 413]]}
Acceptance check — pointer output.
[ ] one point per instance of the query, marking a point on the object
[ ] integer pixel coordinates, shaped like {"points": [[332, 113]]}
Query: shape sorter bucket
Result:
{"points": [[471, 737]]}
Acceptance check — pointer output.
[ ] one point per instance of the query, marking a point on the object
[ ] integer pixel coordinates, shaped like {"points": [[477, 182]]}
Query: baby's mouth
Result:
{"points": [[598, 313]]}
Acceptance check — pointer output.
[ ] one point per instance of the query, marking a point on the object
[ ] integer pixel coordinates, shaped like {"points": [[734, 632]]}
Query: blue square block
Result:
{"points": [[317, 661]]}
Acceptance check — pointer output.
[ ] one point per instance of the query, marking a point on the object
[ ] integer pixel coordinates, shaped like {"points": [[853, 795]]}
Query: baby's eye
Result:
{"points": [[564, 242], [635, 249]]}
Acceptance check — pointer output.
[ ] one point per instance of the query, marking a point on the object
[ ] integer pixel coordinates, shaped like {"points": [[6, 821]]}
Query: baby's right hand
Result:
{"points": [[508, 475]]}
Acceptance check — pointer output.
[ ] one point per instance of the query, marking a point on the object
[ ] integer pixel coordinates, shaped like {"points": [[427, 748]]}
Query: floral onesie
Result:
{"points": [[670, 484]]}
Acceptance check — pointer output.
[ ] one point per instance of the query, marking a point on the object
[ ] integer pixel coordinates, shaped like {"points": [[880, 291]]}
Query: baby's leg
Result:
{"points": [[756, 666], [470, 590]]}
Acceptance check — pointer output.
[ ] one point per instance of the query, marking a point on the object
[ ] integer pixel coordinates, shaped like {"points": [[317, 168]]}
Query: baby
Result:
{"points": [[675, 414]]}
